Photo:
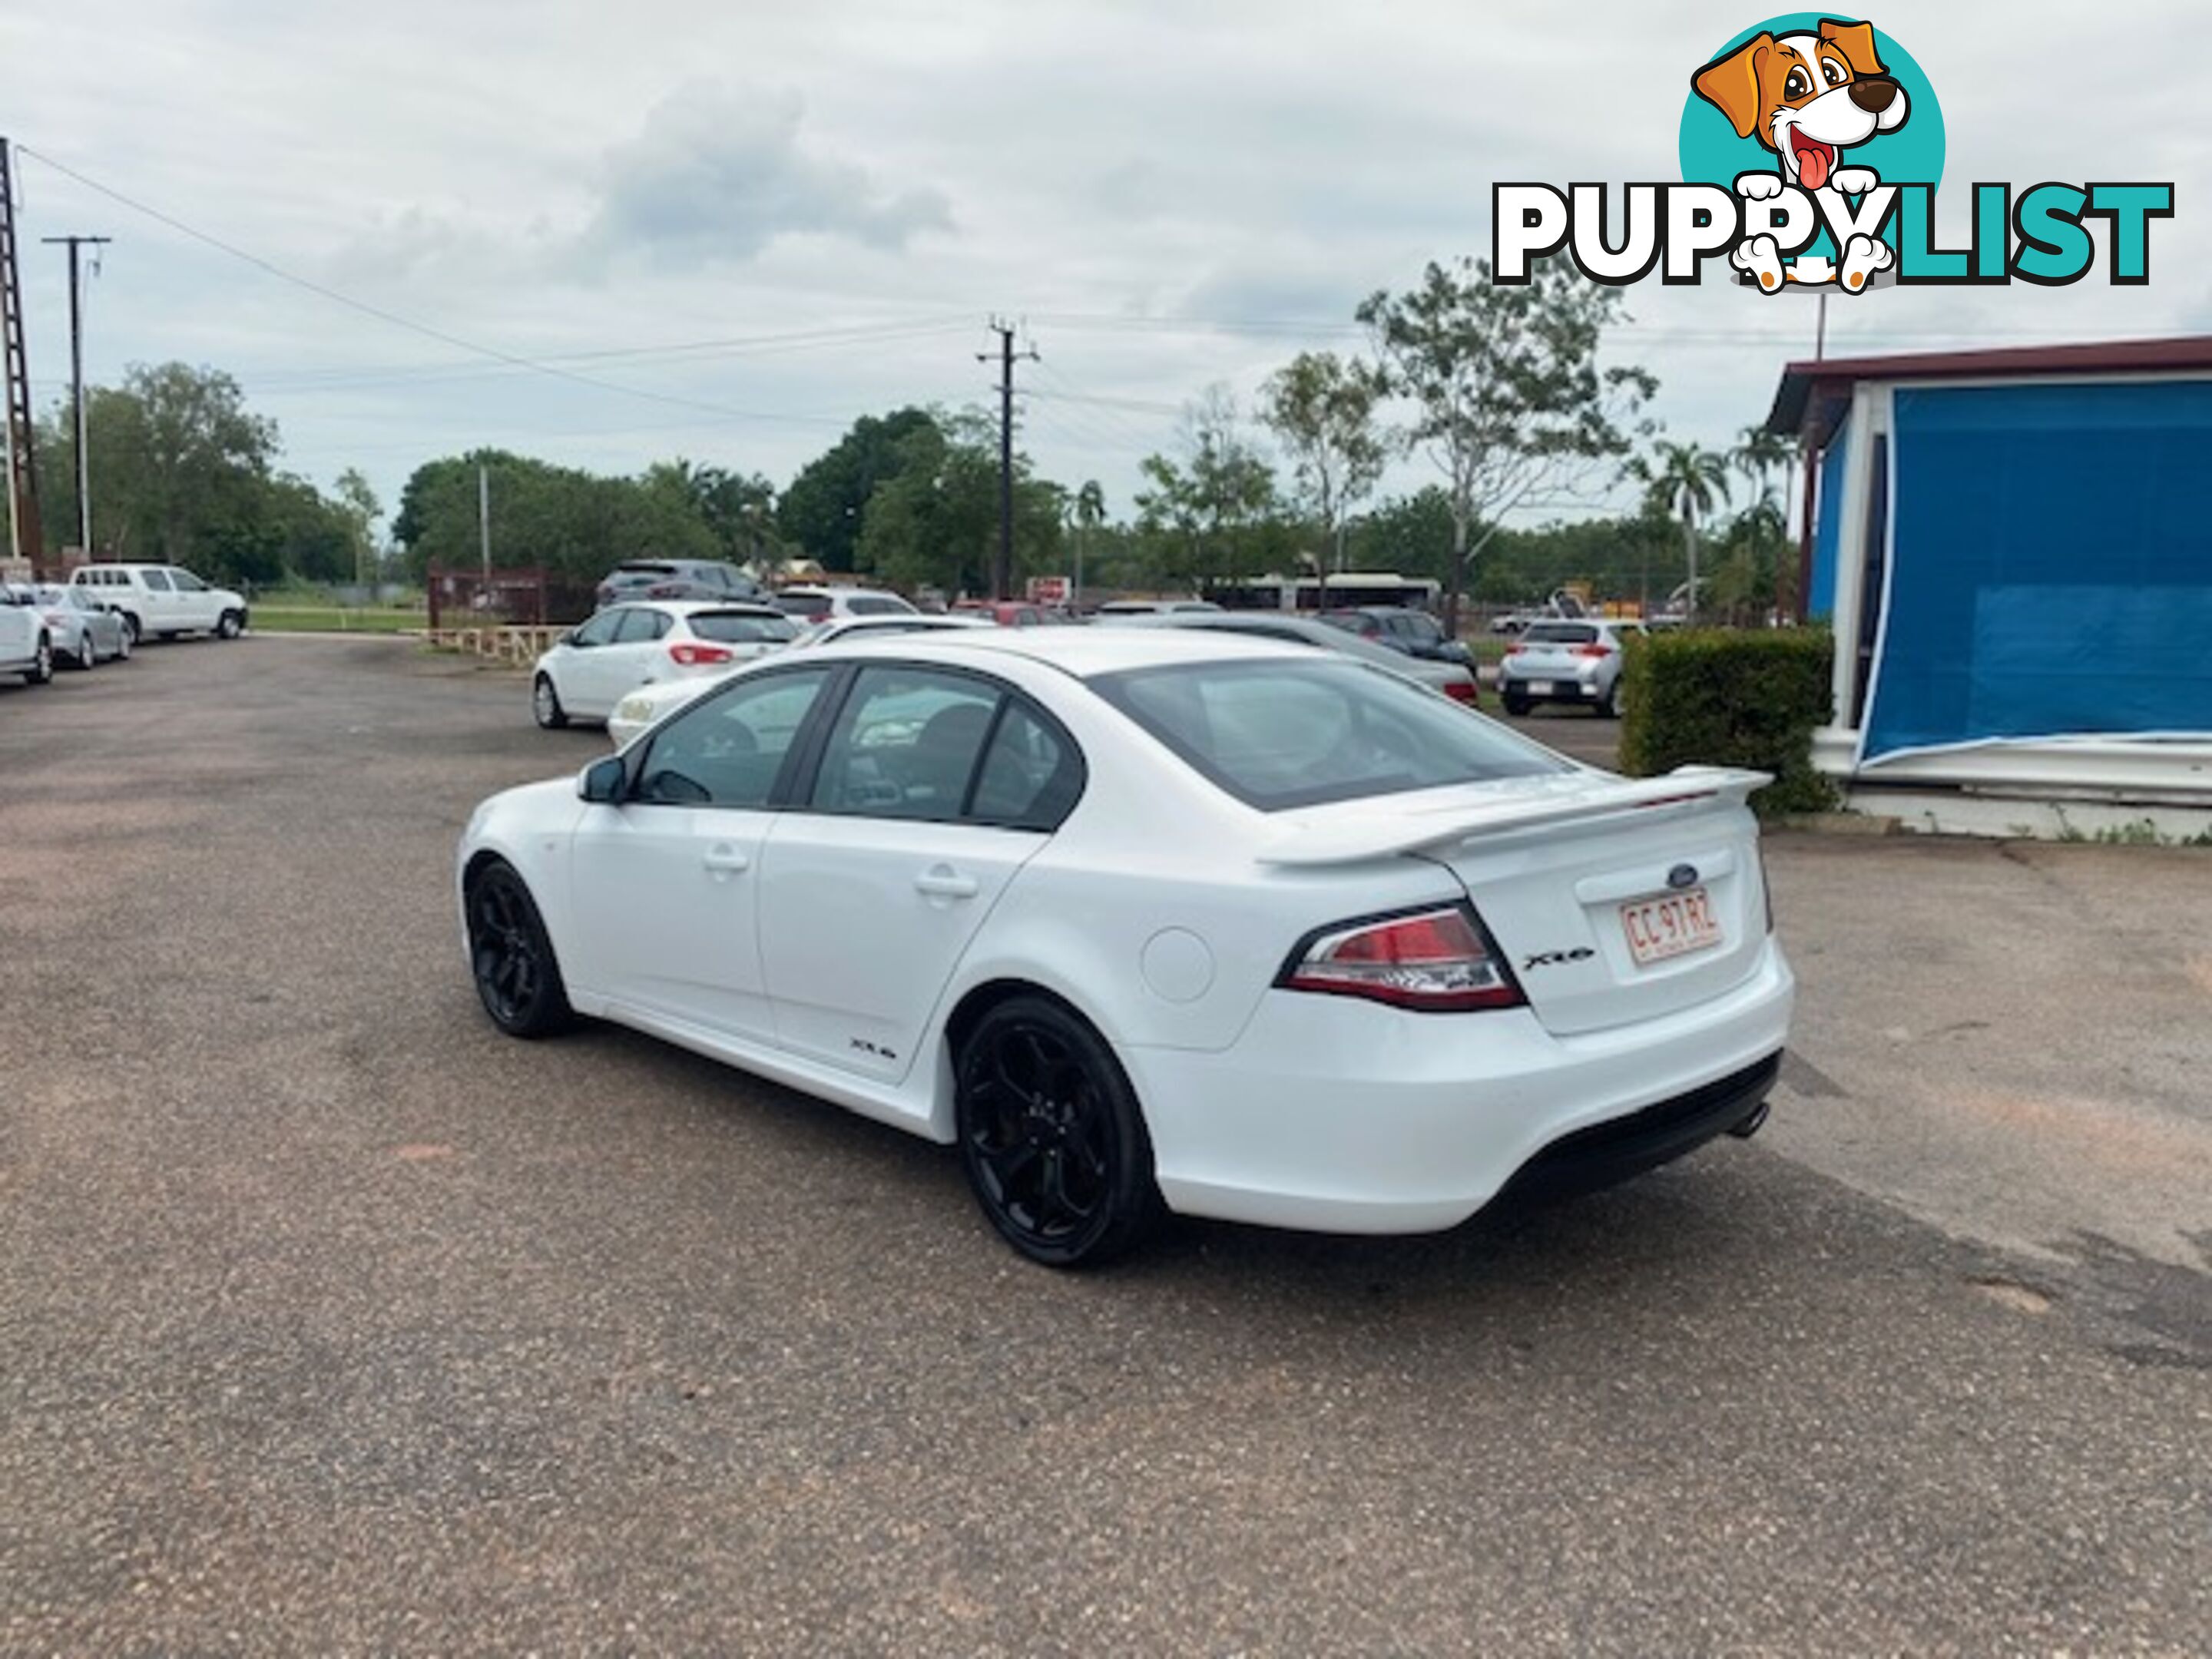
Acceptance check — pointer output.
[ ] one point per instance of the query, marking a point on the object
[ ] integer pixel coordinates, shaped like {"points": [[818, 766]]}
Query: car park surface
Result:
{"points": [[336, 1322]]}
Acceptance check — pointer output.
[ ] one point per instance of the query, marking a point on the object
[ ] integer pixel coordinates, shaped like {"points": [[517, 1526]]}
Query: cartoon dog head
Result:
{"points": [[1805, 97]]}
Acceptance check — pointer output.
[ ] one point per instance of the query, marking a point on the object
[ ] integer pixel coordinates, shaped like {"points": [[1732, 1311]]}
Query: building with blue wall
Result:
{"points": [[2015, 550]]}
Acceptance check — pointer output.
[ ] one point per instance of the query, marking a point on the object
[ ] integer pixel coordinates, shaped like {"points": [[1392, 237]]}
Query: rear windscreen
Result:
{"points": [[1299, 732], [1559, 634], [740, 627], [639, 567]]}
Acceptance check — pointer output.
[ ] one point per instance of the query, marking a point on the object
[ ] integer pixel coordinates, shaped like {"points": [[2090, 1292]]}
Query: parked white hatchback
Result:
{"points": [[646, 705], [1147, 918], [599, 662]]}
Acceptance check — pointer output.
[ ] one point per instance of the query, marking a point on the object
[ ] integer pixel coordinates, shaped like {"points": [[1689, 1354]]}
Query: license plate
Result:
{"points": [[1675, 926], [1540, 688]]}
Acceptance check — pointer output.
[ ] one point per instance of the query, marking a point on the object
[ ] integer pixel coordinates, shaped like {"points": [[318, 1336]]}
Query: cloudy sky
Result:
{"points": [[736, 227]]}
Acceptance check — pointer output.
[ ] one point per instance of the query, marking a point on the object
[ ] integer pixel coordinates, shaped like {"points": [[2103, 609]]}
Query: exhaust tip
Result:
{"points": [[1751, 1123]]}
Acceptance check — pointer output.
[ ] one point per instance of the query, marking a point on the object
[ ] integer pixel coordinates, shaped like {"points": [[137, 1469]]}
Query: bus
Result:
{"points": [[1341, 591]]}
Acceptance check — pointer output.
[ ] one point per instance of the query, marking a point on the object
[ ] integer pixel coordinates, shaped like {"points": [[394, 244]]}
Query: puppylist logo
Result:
{"points": [[1811, 149]]}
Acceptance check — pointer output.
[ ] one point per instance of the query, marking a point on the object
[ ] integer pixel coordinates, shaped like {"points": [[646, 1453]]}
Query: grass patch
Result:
{"points": [[335, 619]]}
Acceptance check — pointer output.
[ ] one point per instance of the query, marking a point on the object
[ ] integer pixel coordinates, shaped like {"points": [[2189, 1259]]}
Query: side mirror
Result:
{"points": [[601, 782]]}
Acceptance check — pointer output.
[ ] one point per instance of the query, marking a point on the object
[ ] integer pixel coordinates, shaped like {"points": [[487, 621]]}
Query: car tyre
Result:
{"points": [[229, 626], [87, 654], [122, 642], [132, 627], [1608, 706], [1514, 705], [545, 704], [42, 664], [511, 956], [1052, 1137]]}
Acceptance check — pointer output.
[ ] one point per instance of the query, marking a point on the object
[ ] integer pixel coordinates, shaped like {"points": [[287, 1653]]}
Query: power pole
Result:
{"points": [[1002, 569], [76, 381], [26, 539], [484, 516]]}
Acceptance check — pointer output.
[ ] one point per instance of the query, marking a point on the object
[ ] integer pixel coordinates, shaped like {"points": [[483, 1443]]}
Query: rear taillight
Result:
{"points": [[1593, 651], [1515, 650], [1461, 691], [1766, 892], [1435, 961], [689, 653], [664, 591]]}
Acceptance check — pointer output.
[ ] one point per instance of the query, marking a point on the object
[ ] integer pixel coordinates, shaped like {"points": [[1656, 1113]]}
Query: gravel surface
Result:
{"points": [[332, 1321]]}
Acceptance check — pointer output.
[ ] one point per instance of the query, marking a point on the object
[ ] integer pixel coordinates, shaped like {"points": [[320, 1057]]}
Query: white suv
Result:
{"points": [[163, 600]]}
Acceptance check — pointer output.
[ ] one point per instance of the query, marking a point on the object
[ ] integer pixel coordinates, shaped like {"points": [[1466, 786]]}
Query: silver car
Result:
{"points": [[1563, 661], [1453, 679], [83, 631]]}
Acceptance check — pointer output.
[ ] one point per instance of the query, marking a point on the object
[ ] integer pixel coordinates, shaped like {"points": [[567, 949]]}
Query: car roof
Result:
{"points": [[693, 607], [1081, 653]]}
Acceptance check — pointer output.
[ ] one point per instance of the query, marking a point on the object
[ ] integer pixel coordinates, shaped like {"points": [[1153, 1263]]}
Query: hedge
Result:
{"points": [[1716, 697]]}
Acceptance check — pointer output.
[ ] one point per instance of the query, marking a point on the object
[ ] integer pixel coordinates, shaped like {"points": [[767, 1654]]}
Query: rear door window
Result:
{"points": [[641, 626], [906, 744], [156, 580]]}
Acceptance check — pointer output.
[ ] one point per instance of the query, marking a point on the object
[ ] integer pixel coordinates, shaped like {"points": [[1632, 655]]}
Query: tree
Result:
{"points": [[1759, 454], [357, 501], [933, 520], [1509, 401], [574, 523], [180, 469], [821, 509], [738, 509], [1214, 516], [1089, 510], [1322, 409], [1688, 482]]}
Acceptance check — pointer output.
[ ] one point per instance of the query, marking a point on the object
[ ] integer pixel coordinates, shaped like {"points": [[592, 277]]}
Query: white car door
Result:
{"points": [[576, 675], [637, 657], [663, 887], [159, 600], [197, 605], [927, 800]]}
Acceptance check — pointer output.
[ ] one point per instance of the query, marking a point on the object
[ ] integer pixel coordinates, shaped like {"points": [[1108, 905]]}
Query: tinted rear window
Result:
{"points": [[1281, 734], [1559, 634], [876, 604], [801, 605], [644, 568], [737, 628]]}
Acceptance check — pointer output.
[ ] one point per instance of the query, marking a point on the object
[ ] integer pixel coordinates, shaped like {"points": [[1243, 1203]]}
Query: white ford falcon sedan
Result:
{"points": [[1155, 920]]}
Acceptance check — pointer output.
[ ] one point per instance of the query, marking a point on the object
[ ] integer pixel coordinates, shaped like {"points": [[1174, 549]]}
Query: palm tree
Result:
{"points": [[1761, 453], [1690, 481], [1090, 514]]}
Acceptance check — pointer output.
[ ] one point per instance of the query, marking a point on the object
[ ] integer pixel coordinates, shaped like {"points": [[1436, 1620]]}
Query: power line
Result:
{"points": [[392, 317]]}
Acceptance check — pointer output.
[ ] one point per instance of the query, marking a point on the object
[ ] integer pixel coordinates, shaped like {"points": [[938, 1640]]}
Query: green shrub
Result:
{"points": [[1714, 697]]}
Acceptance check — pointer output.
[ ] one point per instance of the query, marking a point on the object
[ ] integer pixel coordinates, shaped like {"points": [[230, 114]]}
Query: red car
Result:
{"points": [[1007, 613]]}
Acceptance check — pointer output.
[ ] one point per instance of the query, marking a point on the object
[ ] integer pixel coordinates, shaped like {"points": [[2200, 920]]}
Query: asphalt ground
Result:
{"points": [[332, 1321]]}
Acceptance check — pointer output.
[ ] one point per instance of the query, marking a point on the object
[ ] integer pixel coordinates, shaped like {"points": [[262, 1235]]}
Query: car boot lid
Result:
{"points": [[1387, 826]]}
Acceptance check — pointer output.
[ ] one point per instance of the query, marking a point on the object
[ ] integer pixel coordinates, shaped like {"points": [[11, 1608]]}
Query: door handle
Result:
{"points": [[942, 881], [725, 861]]}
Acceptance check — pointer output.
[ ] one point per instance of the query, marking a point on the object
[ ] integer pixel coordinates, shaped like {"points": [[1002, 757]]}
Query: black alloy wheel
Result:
{"points": [[1052, 1137], [516, 976]]}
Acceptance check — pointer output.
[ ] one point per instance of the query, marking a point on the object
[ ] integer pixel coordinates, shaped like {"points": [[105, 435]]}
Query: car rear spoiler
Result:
{"points": [[1384, 833]]}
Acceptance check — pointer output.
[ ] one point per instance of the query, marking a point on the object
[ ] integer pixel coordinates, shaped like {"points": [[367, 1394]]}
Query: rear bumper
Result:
{"points": [[1343, 1116]]}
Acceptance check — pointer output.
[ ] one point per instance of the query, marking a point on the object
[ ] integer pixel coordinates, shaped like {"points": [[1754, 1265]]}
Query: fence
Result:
{"points": [[526, 596]]}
